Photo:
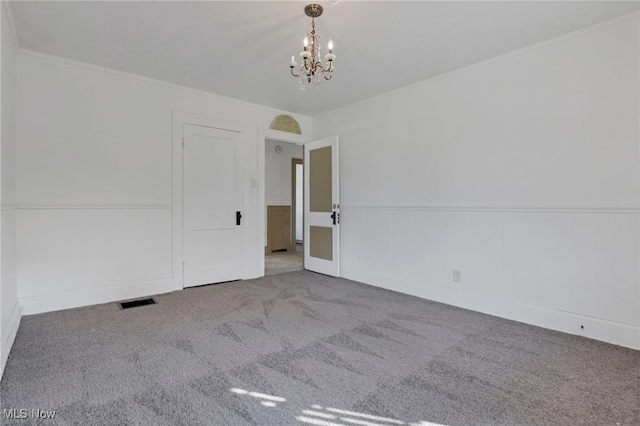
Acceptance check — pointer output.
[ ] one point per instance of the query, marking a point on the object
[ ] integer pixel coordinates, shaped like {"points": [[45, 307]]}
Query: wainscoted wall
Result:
{"points": [[534, 155], [278, 174], [571, 270], [74, 256], [94, 181], [10, 308]]}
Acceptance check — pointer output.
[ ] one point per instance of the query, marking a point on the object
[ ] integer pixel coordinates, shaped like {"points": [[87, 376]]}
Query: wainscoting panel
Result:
{"points": [[79, 250], [582, 264], [626, 256]]}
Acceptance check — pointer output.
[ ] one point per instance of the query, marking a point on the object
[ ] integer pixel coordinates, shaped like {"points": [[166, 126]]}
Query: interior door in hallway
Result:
{"points": [[212, 205], [322, 207]]}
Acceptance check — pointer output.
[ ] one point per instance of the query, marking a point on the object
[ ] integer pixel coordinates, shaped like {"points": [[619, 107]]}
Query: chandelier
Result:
{"points": [[312, 69]]}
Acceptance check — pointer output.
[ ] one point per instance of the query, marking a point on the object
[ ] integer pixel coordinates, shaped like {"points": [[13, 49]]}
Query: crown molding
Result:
{"points": [[412, 87], [73, 62], [14, 33]]}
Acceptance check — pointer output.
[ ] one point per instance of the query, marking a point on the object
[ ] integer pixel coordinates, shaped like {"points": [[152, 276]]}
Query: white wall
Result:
{"points": [[10, 310], [521, 172], [94, 180], [278, 172]]}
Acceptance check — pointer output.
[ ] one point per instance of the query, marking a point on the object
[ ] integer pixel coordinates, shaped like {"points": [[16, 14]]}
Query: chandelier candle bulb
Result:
{"points": [[330, 46]]}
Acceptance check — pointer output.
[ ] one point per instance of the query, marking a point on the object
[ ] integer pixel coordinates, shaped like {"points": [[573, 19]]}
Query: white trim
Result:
{"points": [[12, 25], [263, 136], [595, 328], [280, 136], [72, 206], [74, 299], [565, 37], [9, 335], [8, 206], [72, 62], [623, 209], [414, 86]]}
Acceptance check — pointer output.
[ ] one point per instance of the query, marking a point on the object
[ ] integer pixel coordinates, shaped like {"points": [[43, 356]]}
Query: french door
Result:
{"points": [[322, 207]]}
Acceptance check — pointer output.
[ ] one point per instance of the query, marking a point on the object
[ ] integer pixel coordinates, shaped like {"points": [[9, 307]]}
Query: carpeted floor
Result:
{"points": [[280, 262], [305, 349]]}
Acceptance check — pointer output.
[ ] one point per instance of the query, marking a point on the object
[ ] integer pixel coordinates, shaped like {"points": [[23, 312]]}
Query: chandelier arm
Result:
{"points": [[295, 75], [322, 68]]}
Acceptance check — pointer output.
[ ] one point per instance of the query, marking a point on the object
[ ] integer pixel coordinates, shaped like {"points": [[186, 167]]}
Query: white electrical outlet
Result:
{"points": [[456, 275]]}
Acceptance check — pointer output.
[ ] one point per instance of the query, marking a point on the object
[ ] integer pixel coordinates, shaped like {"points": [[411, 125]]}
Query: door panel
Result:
{"points": [[321, 242], [320, 196], [322, 207], [212, 194]]}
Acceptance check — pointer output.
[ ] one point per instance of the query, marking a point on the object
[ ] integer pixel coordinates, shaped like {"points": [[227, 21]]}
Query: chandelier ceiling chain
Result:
{"points": [[312, 69]]}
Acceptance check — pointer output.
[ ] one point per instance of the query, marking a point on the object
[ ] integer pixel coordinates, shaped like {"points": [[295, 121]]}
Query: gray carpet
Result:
{"points": [[280, 262], [306, 349]]}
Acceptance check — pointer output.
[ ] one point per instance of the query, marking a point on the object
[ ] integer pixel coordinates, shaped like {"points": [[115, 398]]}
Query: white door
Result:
{"points": [[322, 207], [212, 205]]}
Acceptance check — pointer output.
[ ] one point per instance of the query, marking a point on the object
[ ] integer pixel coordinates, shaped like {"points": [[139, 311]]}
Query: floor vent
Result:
{"points": [[136, 303]]}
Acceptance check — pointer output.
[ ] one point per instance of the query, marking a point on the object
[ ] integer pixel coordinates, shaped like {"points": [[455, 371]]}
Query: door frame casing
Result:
{"points": [[263, 136], [249, 136]]}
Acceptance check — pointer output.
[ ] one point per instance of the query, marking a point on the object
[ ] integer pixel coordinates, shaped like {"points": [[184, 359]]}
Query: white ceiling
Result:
{"points": [[241, 49]]}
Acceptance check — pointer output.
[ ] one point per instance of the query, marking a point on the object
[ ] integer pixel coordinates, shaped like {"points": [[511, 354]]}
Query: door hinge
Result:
{"points": [[183, 142], [183, 267]]}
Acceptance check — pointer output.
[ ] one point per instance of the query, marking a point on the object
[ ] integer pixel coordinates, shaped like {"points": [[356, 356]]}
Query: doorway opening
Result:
{"points": [[284, 198]]}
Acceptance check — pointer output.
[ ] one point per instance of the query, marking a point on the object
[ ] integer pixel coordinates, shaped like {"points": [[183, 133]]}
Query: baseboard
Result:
{"points": [[594, 328], [55, 302], [9, 335]]}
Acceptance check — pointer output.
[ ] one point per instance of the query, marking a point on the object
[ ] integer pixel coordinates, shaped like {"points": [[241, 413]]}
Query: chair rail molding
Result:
{"points": [[85, 205], [550, 208]]}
